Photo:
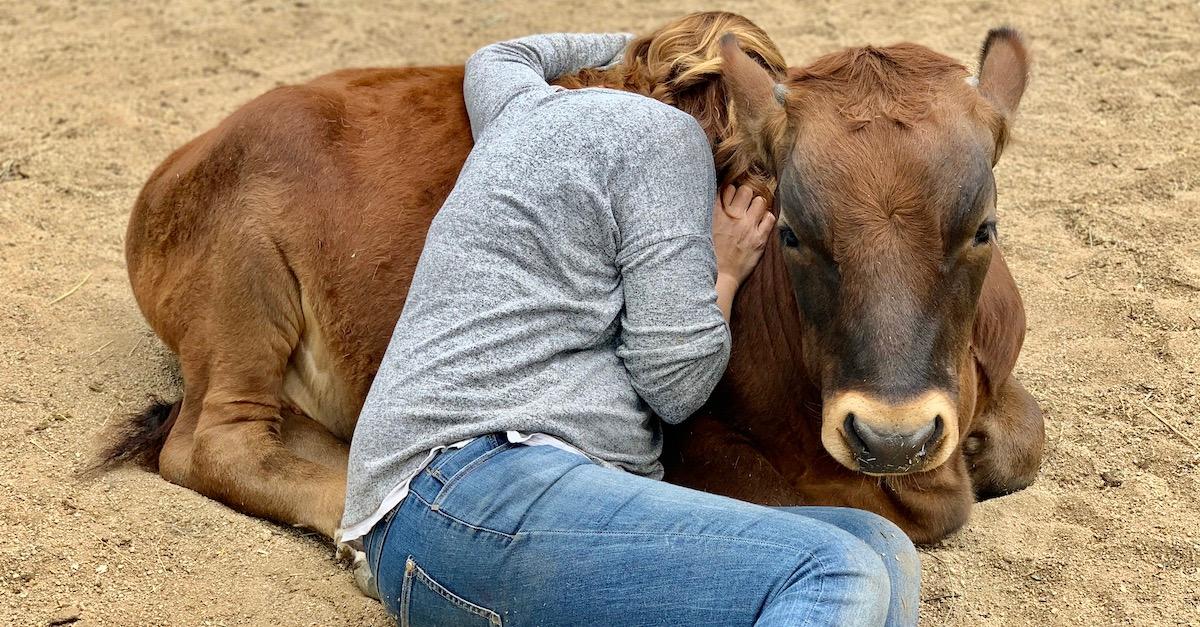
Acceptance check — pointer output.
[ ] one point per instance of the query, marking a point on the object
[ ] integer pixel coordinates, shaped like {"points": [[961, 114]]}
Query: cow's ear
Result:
{"points": [[999, 323], [1003, 69], [756, 101]]}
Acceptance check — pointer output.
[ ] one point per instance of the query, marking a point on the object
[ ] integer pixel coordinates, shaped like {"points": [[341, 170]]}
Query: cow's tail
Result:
{"points": [[139, 439]]}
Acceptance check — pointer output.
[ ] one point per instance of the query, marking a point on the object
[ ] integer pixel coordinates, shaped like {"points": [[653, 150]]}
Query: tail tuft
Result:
{"points": [[140, 439]]}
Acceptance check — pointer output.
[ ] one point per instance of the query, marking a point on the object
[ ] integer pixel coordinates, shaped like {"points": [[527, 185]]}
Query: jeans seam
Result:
{"points": [[704, 536], [445, 457], [820, 589], [436, 473], [439, 511], [661, 534], [387, 520], [463, 472], [405, 595]]}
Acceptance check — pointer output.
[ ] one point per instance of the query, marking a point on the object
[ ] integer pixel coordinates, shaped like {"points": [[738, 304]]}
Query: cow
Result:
{"points": [[873, 345]]}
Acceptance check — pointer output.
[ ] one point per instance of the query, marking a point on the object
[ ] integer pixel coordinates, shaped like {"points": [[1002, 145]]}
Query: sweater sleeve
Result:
{"points": [[504, 75], [674, 340]]}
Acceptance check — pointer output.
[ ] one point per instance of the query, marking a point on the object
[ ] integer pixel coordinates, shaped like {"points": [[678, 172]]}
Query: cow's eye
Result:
{"points": [[986, 232], [788, 238]]}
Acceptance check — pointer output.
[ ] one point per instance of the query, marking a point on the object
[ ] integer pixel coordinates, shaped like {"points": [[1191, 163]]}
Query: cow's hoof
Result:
{"points": [[363, 576], [356, 561]]}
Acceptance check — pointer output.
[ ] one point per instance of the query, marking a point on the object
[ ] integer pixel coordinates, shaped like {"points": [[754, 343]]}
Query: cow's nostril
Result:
{"points": [[922, 437], [854, 438], [928, 442], [885, 451]]}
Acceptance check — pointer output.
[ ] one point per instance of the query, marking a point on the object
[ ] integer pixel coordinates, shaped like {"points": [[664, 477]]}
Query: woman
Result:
{"points": [[577, 283]]}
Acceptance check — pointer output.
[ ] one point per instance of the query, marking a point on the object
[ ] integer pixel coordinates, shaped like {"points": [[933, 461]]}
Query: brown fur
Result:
{"points": [[274, 252]]}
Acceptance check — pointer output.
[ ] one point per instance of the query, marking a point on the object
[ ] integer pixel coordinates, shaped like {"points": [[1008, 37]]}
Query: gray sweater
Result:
{"points": [[567, 284]]}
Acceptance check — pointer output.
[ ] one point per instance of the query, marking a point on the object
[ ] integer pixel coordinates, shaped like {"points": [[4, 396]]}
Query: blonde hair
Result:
{"points": [[680, 65]]}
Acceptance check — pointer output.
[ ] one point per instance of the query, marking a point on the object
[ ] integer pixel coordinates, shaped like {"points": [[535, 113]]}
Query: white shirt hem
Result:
{"points": [[352, 533]]}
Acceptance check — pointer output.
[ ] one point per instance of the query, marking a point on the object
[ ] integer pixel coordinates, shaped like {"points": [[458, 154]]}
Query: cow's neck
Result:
{"points": [[767, 393]]}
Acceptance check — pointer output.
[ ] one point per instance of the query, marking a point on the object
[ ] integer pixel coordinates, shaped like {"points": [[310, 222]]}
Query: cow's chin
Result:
{"points": [[835, 443]]}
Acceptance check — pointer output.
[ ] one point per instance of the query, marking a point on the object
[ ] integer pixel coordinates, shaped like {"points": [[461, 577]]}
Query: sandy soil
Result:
{"points": [[1100, 216]]}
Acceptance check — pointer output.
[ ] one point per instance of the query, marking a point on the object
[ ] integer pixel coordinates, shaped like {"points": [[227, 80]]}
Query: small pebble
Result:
{"points": [[65, 616]]}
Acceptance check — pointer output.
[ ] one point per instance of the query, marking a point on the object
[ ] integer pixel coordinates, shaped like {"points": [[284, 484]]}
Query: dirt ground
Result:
{"points": [[1100, 218]]}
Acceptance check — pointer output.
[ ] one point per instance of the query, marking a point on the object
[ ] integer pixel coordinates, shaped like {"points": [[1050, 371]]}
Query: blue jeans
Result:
{"points": [[503, 534]]}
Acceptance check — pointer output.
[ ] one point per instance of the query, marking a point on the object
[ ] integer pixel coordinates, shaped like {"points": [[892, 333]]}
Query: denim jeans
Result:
{"points": [[503, 534]]}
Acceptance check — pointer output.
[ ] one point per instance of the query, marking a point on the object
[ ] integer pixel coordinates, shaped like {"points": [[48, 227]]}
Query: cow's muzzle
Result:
{"points": [[877, 437]]}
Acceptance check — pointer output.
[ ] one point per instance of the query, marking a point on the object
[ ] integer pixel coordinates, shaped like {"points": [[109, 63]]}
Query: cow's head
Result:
{"points": [[887, 225]]}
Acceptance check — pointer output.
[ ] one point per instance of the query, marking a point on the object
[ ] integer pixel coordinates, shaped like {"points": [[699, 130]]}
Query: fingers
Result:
{"points": [[761, 221], [741, 201], [765, 227], [727, 195], [757, 208]]}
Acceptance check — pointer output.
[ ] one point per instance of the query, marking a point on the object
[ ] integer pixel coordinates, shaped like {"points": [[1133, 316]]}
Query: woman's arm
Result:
{"points": [[500, 76], [682, 257], [674, 340]]}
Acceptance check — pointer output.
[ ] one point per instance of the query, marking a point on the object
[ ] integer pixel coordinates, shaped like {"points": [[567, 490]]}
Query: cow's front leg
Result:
{"points": [[1003, 451]]}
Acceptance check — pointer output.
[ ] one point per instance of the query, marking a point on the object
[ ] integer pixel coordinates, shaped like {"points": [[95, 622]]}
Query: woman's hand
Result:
{"points": [[741, 227]]}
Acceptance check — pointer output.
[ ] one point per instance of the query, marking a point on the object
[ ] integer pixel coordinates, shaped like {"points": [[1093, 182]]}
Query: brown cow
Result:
{"points": [[273, 254]]}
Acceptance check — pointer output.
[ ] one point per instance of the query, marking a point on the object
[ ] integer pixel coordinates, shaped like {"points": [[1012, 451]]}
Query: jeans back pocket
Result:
{"points": [[427, 603]]}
